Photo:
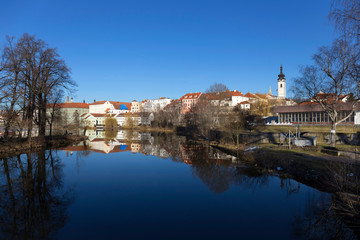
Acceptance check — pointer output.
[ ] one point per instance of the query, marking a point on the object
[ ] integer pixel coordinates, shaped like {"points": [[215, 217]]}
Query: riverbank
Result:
{"points": [[18, 146], [312, 152]]}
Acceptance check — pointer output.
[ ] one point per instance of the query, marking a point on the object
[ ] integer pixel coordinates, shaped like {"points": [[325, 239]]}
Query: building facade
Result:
{"points": [[281, 90], [313, 113]]}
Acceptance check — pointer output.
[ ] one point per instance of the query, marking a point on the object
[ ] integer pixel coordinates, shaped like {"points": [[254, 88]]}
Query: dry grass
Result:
{"points": [[312, 129]]}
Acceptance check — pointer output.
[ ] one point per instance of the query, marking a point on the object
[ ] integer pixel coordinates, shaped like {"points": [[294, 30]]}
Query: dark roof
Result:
{"points": [[314, 107]]}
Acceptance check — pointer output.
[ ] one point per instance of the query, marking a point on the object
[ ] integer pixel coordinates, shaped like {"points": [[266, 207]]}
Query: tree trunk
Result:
{"points": [[333, 134], [42, 115]]}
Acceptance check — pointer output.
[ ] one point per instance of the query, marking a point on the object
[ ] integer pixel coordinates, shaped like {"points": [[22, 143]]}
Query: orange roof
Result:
{"points": [[245, 102], [191, 96], [234, 93], [70, 105], [327, 96], [249, 95], [98, 102]]}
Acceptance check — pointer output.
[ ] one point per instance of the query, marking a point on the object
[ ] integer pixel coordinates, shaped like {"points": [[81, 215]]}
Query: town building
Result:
{"points": [[281, 90], [155, 105], [69, 111], [188, 101], [112, 107], [313, 113], [136, 106]]}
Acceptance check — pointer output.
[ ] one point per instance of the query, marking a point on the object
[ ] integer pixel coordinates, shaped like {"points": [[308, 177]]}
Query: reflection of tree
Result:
{"points": [[318, 221], [33, 203], [215, 174], [110, 135]]}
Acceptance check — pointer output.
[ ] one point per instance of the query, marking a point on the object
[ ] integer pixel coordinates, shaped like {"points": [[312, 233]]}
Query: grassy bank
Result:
{"points": [[312, 128], [18, 146], [319, 151]]}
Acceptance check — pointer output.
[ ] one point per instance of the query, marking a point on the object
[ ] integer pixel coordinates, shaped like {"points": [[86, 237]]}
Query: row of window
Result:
{"points": [[311, 117]]}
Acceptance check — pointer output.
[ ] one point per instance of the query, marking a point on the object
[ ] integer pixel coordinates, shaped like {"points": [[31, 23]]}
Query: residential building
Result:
{"points": [[155, 105], [136, 106], [69, 110], [112, 107], [188, 101]]}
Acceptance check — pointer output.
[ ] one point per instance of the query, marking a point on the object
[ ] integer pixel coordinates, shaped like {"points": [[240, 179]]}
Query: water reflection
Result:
{"points": [[33, 199]]}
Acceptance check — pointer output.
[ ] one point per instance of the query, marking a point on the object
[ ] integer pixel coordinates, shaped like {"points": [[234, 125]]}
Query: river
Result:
{"points": [[129, 185]]}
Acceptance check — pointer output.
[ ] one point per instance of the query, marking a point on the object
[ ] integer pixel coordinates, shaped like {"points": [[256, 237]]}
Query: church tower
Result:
{"points": [[281, 91]]}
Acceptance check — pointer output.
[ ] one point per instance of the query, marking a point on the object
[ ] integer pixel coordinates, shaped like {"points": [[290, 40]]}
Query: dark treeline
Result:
{"points": [[32, 75]]}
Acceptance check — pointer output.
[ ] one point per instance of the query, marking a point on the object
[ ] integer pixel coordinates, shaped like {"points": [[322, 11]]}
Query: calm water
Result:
{"points": [[133, 186]]}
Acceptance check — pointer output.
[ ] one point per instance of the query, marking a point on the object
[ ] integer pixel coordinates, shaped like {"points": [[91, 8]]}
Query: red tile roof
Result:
{"points": [[249, 95], [234, 93], [191, 96], [70, 105]]}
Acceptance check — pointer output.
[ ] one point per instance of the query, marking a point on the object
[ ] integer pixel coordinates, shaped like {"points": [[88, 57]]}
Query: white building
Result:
{"points": [[281, 90], [112, 107], [155, 105], [237, 97]]}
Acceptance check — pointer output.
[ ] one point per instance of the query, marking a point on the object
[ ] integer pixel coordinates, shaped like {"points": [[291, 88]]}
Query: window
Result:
{"points": [[280, 85]]}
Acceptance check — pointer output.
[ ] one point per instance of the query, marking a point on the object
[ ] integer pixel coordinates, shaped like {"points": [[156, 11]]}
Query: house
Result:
{"points": [[155, 105], [69, 111], [136, 106], [237, 97], [188, 101], [111, 107]]}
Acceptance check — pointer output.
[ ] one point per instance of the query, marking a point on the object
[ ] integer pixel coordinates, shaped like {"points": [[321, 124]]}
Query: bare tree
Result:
{"points": [[217, 88], [10, 83], [54, 109], [335, 74], [30, 73], [345, 14]]}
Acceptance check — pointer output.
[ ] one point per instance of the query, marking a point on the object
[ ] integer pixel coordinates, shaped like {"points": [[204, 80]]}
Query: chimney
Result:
{"points": [[67, 99], [84, 101], [72, 100]]}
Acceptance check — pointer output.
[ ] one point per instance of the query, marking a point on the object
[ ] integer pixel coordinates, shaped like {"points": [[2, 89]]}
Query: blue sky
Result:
{"points": [[126, 50]]}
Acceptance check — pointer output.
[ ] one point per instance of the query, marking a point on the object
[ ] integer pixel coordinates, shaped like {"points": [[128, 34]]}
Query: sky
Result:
{"points": [[145, 49]]}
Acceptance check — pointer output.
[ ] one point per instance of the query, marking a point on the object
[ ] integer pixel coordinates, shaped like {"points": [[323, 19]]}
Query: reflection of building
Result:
{"points": [[135, 147], [112, 146]]}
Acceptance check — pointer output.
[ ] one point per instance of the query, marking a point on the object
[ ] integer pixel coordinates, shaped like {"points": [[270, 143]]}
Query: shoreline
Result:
{"points": [[14, 147], [312, 152]]}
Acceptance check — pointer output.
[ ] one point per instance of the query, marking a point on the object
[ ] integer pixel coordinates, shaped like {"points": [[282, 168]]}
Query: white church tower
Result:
{"points": [[281, 90]]}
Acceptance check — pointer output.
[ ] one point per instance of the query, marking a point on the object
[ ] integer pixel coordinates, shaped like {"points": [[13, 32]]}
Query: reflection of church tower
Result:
{"points": [[281, 91]]}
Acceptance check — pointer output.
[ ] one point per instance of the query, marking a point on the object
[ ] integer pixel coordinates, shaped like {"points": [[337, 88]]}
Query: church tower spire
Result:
{"points": [[281, 91], [270, 93]]}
